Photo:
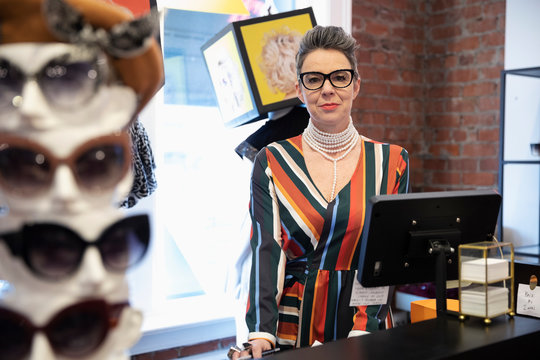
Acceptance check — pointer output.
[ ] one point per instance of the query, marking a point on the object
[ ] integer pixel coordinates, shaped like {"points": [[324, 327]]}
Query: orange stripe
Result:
{"points": [[313, 220], [318, 311], [360, 318], [357, 213], [287, 330]]}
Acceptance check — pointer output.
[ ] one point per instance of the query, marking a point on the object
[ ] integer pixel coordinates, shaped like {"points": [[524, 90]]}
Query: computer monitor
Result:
{"points": [[414, 238]]}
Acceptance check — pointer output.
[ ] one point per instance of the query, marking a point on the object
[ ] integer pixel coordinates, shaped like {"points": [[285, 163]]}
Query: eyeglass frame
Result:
{"points": [[327, 76]]}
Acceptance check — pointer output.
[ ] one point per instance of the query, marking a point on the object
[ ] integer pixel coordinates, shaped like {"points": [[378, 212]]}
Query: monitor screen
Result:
{"points": [[400, 230]]}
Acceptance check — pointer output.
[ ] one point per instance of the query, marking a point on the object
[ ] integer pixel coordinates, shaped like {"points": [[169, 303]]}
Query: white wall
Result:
{"points": [[522, 43]]}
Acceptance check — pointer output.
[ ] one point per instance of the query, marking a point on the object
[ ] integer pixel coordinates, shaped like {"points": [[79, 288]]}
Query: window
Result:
{"points": [[200, 208]]}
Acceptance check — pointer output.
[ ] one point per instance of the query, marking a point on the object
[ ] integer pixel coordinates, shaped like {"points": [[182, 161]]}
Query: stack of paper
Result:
{"points": [[473, 301], [478, 269]]}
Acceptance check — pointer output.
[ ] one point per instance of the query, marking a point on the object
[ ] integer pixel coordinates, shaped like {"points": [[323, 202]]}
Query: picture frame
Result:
{"points": [[250, 74]]}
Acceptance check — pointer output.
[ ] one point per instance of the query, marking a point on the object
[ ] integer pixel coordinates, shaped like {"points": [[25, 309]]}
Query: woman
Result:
{"points": [[308, 198]]}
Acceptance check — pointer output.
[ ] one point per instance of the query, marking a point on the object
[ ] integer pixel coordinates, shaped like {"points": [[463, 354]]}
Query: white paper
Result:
{"points": [[528, 301], [362, 296]]}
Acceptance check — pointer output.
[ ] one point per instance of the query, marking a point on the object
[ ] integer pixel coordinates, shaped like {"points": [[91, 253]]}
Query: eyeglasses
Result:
{"points": [[314, 80], [67, 81], [75, 331], [27, 168], [54, 252]]}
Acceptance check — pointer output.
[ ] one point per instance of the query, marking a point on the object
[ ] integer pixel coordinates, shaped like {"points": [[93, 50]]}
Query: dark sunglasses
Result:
{"points": [[67, 81], [314, 80], [75, 331], [27, 168], [54, 252]]}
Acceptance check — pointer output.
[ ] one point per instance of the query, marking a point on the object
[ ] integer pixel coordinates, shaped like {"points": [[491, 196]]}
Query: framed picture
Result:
{"points": [[252, 64]]}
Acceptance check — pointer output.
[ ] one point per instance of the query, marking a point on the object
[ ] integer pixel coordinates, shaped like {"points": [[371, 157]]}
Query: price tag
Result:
{"points": [[528, 301], [362, 296]]}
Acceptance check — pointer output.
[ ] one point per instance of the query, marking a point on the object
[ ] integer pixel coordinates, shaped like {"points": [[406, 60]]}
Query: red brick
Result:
{"points": [[400, 119], [363, 56], [377, 28], [493, 39], [471, 12], [460, 105], [411, 76], [466, 59], [479, 179], [459, 135], [444, 149], [388, 104], [479, 119], [467, 165], [480, 89], [482, 26], [379, 58], [486, 103], [442, 5], [405, 91], [447, 178], [488, 134], [480, 150], [444, 91], [492, 72], [462, 75], [435, 164], [488, 56], [464, 44], [489, 164], [168, 354], [387, 74], [446, 32], [374, 88], [495, 8], [364, 11], [371, 118], [365, 103]]}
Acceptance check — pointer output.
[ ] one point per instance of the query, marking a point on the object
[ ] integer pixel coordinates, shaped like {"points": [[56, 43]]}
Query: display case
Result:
{"points": [[486, 280]]}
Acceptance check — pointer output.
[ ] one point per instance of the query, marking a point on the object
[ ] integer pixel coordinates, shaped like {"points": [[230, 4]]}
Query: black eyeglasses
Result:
{"points": [[75, 331], [54, 252], [67, 81], [314, 80], [28, 169]]}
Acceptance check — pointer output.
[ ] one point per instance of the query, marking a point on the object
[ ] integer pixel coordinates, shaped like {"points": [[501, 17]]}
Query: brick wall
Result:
{"points": [[430, 82]]}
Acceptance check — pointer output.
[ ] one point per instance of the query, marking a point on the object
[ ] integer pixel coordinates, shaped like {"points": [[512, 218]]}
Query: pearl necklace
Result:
{"points": [[328, 143]]}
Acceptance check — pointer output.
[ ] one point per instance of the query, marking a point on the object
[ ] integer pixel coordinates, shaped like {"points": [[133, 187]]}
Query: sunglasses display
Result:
{"points": [[54, 252], [27, 168], [67, 81], [75, 331]]}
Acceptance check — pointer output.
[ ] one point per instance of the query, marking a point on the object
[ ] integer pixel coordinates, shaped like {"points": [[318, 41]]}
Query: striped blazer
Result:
{"points": [[305, 250]]}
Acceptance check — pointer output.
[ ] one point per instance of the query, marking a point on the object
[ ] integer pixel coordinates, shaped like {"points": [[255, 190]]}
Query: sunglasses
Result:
{"points": [[67, 81], [54, 252], [27, 168], [75, 331]]}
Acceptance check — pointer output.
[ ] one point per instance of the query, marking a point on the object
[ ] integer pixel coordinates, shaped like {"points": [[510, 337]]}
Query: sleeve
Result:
{"points": [[402, 172], [268, 259]]}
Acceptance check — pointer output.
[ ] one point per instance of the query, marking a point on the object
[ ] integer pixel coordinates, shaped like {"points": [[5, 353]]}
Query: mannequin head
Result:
{"points": [[83, 92], [127, 47], [98, 173], [40, 267], [98, 313]]}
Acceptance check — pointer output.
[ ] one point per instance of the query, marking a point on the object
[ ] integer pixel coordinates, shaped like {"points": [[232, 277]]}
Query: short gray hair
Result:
{"points": [[327, 37]]}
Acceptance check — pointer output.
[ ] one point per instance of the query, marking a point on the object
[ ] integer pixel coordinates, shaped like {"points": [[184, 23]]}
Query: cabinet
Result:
{"points": [[519, 165]]}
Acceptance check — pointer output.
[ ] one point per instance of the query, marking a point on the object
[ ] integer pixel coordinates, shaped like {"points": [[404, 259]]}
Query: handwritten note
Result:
{"points": [[362, 296], [528, 301]]}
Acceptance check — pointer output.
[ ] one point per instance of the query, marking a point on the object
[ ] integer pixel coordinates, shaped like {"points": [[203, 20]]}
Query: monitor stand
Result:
{"points": [[441, 249]]}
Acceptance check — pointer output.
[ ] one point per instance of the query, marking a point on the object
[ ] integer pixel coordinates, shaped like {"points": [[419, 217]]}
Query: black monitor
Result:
{"points": [[414, 238]]}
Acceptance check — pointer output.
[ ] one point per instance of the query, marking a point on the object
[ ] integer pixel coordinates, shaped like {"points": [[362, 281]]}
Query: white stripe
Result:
{"points": [[378, 168], [301, 175]]}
